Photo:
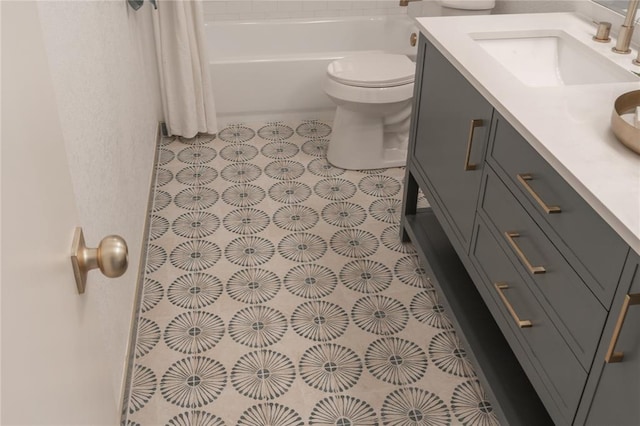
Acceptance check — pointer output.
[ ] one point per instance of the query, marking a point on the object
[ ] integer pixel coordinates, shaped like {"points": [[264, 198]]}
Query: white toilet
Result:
{"points": [[373, 93]]}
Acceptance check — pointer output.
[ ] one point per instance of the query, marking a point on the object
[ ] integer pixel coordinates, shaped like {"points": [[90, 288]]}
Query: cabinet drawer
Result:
{"points": [[575, 310], [551, 366], [598, 252]]}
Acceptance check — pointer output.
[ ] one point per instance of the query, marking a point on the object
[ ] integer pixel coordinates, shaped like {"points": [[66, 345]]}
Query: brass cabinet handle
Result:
{"points": [[523, 178], [500, 287], [612, 355], [533, 269], [474, 123]]}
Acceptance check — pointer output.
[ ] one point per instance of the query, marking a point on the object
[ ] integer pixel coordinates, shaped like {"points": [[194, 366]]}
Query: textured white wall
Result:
{"points": [[217, 10], [103, 66]]}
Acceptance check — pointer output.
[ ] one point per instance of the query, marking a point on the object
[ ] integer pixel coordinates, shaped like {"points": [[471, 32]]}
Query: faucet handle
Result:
{"points": [[602, 33]]}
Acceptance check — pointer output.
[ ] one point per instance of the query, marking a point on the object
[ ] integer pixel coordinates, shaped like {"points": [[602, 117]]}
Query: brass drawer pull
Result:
{"points": [[474, 123], [533, 269], [523, 178], [500, 287], [612, 355]]}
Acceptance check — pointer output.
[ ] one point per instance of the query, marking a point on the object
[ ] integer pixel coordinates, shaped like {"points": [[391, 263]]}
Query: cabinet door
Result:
{"points": [[451, 137], [617, 398]]}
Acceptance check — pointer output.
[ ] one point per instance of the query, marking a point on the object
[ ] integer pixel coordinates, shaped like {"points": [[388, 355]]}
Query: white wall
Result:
{"points": [[103, 67], [216, 10]]}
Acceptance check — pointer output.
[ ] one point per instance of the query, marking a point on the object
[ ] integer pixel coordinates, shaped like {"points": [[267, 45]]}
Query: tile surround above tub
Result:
{"points": [[219, 10]]}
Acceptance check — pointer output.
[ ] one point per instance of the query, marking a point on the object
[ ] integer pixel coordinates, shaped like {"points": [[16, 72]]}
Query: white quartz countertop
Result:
{"points": [[568, 125]]}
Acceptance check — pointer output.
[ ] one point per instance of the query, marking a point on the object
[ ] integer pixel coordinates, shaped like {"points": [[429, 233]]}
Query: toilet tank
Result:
{"points": [[468, 4]]}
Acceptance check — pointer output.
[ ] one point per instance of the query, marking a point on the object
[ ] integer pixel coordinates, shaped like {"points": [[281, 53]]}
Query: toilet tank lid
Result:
{"points": [[468, 4], [373, 70]]}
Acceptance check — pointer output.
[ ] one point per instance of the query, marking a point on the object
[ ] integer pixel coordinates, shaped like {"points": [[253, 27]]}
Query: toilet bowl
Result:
{"points": [[373, 95]]}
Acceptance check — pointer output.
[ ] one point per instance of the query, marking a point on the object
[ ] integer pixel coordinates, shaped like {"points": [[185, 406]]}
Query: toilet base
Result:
{"points": [[369, 141]]}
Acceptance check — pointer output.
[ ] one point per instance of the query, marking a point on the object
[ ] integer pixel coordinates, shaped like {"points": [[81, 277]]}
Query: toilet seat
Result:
{"points": [[373, 70]]}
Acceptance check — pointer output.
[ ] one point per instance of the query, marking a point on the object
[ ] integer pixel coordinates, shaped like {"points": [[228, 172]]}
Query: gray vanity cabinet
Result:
{"points": [[453, 129], [617, 391], [534, 278]]}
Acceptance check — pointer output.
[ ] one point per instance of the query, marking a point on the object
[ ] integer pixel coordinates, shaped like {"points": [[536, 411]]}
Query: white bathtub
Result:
{"points": [[273, 67]]}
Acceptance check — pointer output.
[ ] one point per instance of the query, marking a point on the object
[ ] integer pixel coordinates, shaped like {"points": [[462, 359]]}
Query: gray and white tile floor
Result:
{"points": [[277, 292]]}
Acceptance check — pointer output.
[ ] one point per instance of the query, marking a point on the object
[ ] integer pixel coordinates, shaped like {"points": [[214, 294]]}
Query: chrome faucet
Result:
{"points": [[626, 30]]}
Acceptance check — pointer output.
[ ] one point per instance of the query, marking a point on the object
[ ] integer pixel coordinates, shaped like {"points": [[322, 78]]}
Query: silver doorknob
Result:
{"points": [[111, 256]]}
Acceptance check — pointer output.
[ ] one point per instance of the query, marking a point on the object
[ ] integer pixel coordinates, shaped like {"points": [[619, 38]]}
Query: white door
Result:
{"points": [[53, 364]]}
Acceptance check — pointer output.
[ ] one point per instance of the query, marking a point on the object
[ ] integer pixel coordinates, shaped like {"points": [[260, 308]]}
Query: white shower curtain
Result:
{"points": [[181, 47]]}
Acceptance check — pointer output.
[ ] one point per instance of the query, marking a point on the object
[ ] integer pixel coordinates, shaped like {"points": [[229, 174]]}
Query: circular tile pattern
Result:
{"points": [[156, 257], [188, 141], [257, 326], [373, 171], [343, 410], [471, 406], [194, 332], [263, 374], [253, 286], [379, 315], [243, 195], [197, 175], [195, 225], [197, 154], [295, 218], [366, 276], [165, 156], [322, 167], [386, 210], [310, 281], [410, 272], [279, 150], [241, 172], [354, 243], [284, 169], [449, 356], [163, 177], [239, 153], [161, 199], [148, 336], [270, 414], [379, 186], [143, 386], [193, 382], [302, 247], [195, 255], [344, 214], [330, 368], [426, 309], [319, 320], [313, 129], [194, 291], [249, 251], [246, 221], [152, 294], [414, 407], [335, 189], [158, 226], [396, 361], [275, 132], [316, 147], [391, 239], [196, 418], [196, 198], [236, 134], [289, 192]]}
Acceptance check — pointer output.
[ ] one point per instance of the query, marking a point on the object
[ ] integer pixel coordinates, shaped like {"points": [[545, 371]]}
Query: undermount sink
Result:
{"points": [[550, 58]]}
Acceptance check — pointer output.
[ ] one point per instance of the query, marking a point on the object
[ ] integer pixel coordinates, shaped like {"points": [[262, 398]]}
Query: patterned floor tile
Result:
{"points": [[278, 292]]}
